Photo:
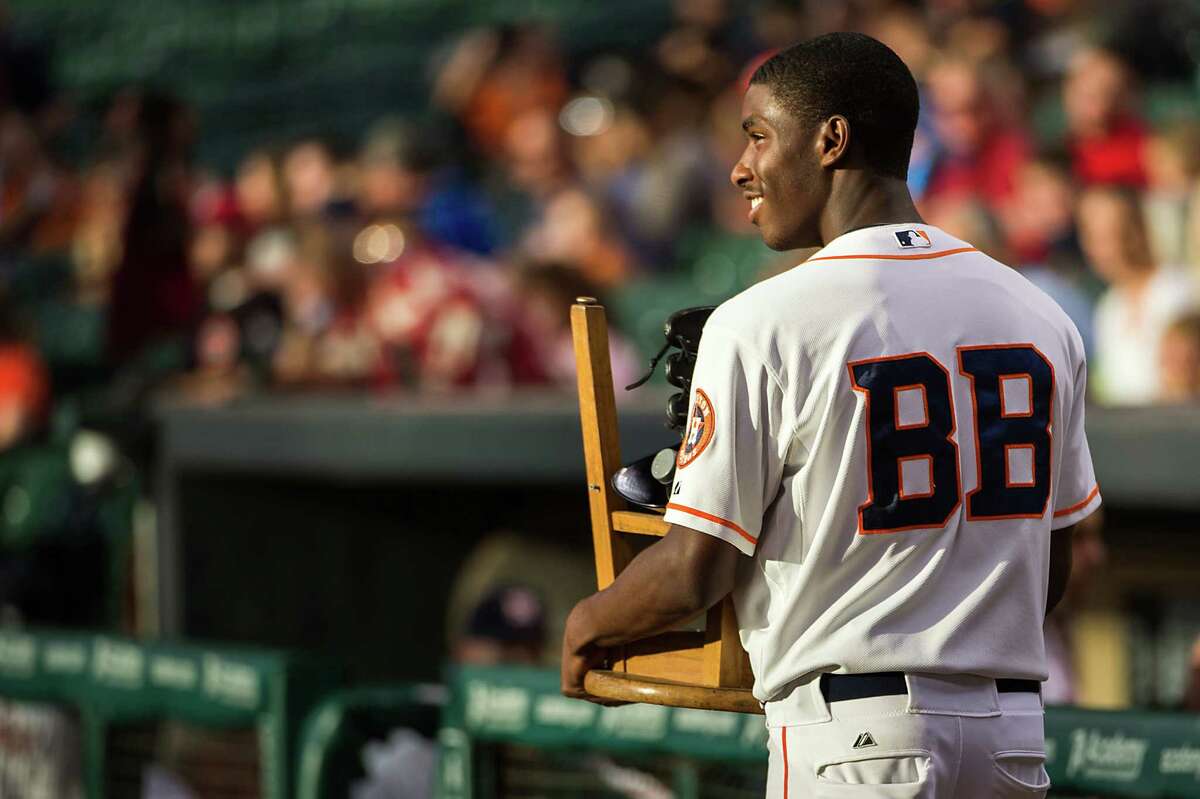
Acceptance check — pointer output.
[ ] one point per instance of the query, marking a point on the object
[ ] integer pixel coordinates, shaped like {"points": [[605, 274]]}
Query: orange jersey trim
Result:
{"points": [[723, 522], [913, 257], [1075, 507]]}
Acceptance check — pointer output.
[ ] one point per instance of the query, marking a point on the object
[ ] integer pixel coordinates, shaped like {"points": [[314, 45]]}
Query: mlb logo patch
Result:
{"points": [[909, 239]]}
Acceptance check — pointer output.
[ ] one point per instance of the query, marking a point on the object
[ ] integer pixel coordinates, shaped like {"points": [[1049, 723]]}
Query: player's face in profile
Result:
{"points": [[778, 173]]}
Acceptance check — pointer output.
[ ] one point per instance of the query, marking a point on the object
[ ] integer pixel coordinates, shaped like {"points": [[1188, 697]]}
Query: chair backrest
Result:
{"points": [[709, 653]]}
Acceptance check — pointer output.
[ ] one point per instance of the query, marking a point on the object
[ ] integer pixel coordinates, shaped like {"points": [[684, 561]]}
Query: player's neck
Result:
{"points": [[860, 199]]}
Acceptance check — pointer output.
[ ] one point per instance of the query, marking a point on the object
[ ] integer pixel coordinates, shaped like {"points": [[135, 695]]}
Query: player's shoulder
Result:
{"points": [[976, 276], [763, 309], [832, 284], [1038, 294], [751, 323]]}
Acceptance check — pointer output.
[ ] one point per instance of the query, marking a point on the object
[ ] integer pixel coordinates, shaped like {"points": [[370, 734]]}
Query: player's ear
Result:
{"points": [[833, 140]]}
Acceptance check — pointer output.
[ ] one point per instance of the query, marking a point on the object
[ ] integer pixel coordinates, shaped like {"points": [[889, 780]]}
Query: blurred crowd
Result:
{"points": [[441, 252]]}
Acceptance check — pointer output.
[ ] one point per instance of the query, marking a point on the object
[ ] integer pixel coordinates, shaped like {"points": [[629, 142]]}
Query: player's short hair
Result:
{"points": [[857, 77]]}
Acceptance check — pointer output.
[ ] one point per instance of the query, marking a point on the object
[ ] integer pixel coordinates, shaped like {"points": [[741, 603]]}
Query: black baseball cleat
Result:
{"points": [[646, 483], [682, 330]]}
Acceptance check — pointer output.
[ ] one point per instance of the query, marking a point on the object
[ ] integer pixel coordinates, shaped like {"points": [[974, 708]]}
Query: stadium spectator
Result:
{"points": [[699, 47], [493, 77], [979, 153], [423, 308], [508, 625], [97, 239], [905, 30], [1039, 223], [1179, 361], [547, 292], [778, 24], [24, 393], [608, 140], [325, 340], [402, 174], [656, 200], [310, 179], [259, 191], [1141, 300], [1172, 198], [216, 240], [218, 373], [574, 228], [153, 295], [1105, 137], [38, 200], [647, 160], [531, 169]]}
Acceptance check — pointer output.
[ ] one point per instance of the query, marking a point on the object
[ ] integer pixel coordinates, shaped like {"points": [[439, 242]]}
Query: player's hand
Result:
{"points": [[575, 666], [580, 656]]}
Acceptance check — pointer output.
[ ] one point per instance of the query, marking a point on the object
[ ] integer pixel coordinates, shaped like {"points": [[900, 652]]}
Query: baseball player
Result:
{"points": [[885, 458]]}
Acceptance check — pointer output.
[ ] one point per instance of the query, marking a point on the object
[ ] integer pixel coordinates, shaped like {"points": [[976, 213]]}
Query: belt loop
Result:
{"points": [[817, 701], [802, 704]]}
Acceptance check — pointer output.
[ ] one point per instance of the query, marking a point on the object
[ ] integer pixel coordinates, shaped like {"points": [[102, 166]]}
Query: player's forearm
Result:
{"points": [[683, 574], [648, 597]]}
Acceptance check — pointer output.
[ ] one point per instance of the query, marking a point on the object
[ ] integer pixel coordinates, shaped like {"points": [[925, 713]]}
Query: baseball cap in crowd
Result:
{"points": [[508, 625]]}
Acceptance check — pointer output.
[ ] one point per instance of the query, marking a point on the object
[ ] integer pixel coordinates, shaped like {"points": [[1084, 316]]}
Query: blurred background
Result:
{"points": [[285, 363]]}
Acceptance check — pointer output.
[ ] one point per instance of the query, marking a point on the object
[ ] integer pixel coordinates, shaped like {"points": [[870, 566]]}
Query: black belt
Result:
{"points": [[840, 687]]}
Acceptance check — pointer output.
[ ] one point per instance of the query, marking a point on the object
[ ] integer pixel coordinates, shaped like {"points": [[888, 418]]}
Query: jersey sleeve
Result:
{"points": [[1077, 494], [730, 464]]}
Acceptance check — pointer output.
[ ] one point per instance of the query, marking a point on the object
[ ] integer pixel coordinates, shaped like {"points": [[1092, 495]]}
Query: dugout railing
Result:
{"points": [[1111, 753], [113, 684], [503, 730]]}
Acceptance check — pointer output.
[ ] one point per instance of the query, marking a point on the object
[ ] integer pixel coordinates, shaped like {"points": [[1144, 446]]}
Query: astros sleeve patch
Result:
{"points": [[701, 424]]}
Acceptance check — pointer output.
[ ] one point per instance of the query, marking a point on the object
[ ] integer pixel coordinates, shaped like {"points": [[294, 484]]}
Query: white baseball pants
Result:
{"points": [[949, 737]]}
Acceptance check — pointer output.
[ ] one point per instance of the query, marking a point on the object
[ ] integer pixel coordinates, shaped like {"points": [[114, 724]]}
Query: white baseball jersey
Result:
{"points": [[890, 431]]}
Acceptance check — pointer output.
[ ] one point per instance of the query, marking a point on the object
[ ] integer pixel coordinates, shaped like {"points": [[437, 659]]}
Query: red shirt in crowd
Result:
{"points": [[988, 175], [1115, 156]]}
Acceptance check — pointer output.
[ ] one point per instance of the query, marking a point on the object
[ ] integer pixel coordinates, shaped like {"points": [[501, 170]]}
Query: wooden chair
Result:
{"points": [[704, 668]]}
